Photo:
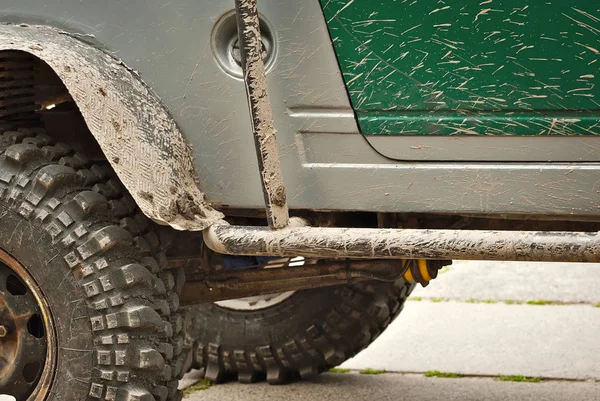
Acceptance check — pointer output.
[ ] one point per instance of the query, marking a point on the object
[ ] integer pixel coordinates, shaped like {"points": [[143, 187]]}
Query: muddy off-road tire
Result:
{"points": [[109, 307], [302, 335]]}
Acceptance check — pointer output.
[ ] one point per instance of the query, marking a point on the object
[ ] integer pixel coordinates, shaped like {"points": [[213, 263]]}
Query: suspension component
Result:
{"points": [[222, 284], [238, 283], [422, 271]]}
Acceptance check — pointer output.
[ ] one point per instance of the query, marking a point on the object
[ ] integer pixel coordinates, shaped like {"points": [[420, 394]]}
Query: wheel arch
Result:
{"points": [[134, 130]]}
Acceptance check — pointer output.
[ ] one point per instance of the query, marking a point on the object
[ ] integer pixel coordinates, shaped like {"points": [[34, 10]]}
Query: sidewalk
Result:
{"points": [[476, 319]]}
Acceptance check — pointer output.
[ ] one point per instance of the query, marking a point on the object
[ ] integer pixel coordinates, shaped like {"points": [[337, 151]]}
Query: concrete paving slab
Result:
{"points": [[567, 282], [189, 379], [395, 387], [473, 339], [490, 339]]}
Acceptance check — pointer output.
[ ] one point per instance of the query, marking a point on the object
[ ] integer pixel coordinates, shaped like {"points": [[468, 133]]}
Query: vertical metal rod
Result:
{"points": [[263, 127]]}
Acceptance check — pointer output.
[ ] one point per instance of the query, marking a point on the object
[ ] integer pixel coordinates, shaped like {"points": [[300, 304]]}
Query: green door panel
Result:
{"points": [[470, 67]]}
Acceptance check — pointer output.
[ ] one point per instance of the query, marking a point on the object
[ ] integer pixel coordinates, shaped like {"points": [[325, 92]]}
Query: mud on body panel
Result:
{"points": [[137, 135]]}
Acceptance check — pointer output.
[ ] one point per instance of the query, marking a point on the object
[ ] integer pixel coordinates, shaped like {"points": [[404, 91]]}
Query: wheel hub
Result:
{"points": [[25, 331]]}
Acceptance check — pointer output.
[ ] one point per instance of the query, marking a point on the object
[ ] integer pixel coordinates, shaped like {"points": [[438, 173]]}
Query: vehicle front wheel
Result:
{"points": [[87, 311]]}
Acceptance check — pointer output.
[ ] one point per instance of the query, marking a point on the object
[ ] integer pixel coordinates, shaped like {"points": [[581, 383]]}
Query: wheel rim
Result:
{"points": [[263, 301], [255, 303], [27, 353]]}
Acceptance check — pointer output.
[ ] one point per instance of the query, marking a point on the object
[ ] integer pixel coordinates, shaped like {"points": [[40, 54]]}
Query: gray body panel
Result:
{"points": [[134, 130], [327, 164]]}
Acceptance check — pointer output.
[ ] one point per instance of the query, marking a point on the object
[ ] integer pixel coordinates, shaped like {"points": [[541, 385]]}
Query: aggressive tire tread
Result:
{"points": [[355, 316], [90, 218]]}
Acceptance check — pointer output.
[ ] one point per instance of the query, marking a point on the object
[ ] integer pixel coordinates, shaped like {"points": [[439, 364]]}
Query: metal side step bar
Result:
{"points": [[373, 243], [291, 237]]}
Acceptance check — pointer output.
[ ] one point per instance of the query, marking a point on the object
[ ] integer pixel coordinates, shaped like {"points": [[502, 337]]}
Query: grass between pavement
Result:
{"points": [[205, 384], [455, 375], [502, 378], [496, 301], [519, 378], [446, 375], [369, 371], [339, 370], [201, 385]]}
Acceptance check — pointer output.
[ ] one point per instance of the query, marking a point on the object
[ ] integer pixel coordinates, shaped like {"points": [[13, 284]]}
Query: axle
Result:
{"points": [[239, 283]]}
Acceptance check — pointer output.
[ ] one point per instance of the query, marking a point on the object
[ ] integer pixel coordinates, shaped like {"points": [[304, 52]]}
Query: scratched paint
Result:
{"points": [[471, 67]]}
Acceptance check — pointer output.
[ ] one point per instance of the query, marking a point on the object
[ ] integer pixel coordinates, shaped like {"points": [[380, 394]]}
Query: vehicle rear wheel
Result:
{"points": [[87, 310], [292, 335]]}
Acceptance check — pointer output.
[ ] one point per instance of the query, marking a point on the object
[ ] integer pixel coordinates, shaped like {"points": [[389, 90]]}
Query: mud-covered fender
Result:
{"points": [[133, 128]]}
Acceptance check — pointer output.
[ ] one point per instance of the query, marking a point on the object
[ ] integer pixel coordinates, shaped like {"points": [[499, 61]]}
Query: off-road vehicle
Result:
{"points": [[254, 190]]}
